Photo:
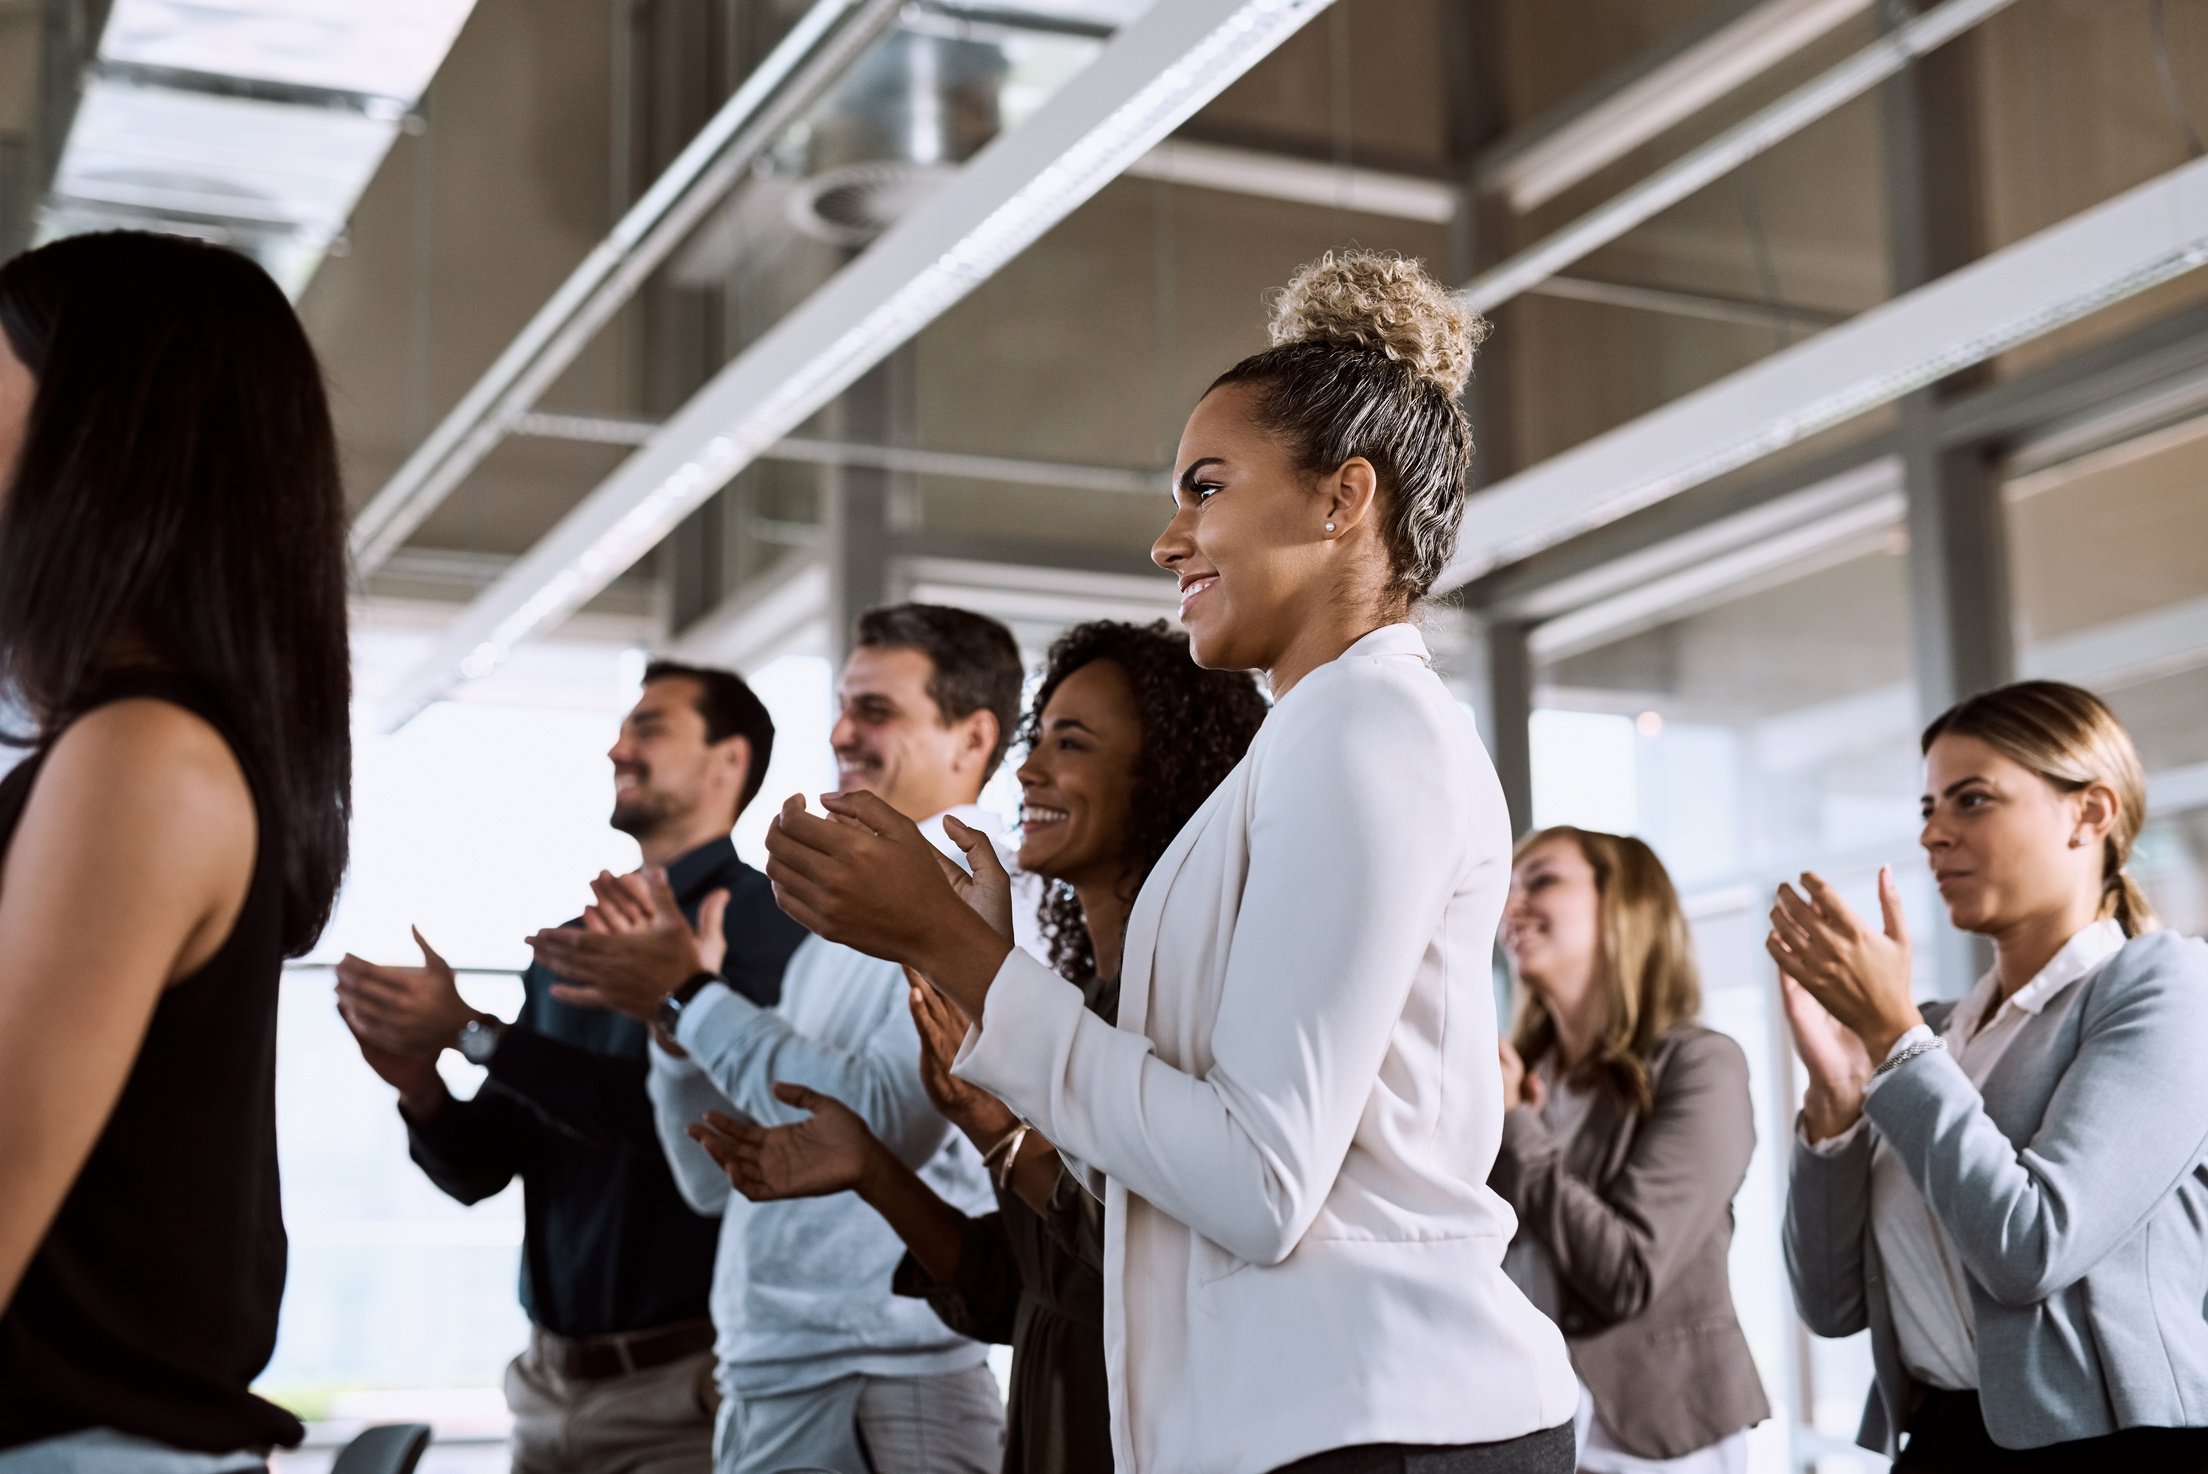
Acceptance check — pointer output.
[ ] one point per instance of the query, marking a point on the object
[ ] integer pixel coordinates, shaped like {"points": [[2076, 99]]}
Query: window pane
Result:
{"points": [[2110, 560], [1761, 723]]}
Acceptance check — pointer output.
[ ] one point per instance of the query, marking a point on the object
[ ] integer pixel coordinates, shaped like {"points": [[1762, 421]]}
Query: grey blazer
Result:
{"points": [[1637, 1215], [2075, 1194]]}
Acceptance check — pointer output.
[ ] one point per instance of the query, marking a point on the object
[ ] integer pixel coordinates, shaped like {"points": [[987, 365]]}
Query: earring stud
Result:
{"points": [[1329, 527]]}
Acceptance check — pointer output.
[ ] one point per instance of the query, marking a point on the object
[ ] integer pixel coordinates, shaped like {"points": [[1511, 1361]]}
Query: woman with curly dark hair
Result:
{"points": [[1126, 739]]}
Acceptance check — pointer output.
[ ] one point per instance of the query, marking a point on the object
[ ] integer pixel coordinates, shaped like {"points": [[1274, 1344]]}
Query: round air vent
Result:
{"points": [[851, 205]]}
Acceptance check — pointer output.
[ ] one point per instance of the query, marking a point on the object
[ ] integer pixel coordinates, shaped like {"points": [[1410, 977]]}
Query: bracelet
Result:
{"points": [[1007, 1151], [1922, 1046]]}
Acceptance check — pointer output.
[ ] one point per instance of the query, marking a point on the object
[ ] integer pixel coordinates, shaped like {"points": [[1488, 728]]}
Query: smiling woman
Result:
{"points": [[1125, 741], [1293, 1123]]}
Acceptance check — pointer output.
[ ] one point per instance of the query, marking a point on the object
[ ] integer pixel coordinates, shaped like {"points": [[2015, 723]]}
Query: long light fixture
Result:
{"points": [[2102, 255], [1142, 85], [1712, 161]]}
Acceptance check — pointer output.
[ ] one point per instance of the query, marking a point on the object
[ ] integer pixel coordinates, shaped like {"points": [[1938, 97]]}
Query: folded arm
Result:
{"points": [[471, 1148]]}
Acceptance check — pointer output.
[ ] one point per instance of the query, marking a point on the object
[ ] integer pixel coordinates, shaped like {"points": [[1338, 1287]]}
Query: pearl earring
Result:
{"points": [[1329, 527]]}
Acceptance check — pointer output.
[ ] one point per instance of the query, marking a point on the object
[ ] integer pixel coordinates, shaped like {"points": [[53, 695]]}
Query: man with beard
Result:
{"points": [[616, 1268], [822, 1365]]}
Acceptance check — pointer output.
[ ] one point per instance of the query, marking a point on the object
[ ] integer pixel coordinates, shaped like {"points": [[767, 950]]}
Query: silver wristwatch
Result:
{"points": [[478, 1039]]}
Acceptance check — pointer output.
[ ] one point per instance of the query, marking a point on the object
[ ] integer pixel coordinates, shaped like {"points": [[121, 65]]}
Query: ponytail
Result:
{"points": [[2122, 898], [2069, 737]]}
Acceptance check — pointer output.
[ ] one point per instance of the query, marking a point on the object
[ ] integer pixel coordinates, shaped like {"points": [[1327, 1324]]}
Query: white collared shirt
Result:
{"points": [[1926, 1287]]}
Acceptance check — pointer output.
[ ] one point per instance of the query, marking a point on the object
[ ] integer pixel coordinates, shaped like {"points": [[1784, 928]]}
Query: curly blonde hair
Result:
{"points": [[1369, 357], [1383, 301]]}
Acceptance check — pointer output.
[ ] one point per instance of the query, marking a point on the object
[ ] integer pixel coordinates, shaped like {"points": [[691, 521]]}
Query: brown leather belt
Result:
{"points": [[593, 1358]]}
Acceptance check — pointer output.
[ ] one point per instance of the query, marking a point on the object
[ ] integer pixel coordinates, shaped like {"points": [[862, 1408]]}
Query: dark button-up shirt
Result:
{"points": [[608, 1245]]}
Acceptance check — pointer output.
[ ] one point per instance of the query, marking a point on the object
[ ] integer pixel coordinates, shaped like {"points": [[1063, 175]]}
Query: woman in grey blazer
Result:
{"points": [[2016, 1205], [1628, 1134]]}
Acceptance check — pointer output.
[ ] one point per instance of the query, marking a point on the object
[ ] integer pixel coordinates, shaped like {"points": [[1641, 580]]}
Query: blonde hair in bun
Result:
{"points": [[1384, 301]]}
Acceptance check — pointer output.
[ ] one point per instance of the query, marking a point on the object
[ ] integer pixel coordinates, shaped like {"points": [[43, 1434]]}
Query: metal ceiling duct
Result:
{"points": [[929, 96], [907, 115]]}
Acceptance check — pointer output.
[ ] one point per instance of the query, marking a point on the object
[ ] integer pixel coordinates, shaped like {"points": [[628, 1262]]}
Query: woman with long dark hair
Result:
{"points": [[1295, 1118], [1126, 739], [172, 628]]}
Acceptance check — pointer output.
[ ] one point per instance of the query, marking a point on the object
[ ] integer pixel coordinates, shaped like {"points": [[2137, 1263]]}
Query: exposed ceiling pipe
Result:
{"points": [[1158, 71], [912, 460], [1712, 161], [817, 51]]}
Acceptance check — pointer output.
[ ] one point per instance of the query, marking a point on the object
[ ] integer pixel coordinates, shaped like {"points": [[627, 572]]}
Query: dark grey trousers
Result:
{"points": [[1548, 1452]]}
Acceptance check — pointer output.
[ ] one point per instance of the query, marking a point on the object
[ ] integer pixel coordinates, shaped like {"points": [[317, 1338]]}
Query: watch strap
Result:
{"points": [[669, 1013]]}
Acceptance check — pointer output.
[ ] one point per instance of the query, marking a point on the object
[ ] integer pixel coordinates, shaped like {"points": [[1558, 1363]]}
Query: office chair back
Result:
{"points": [[394, 1448]]}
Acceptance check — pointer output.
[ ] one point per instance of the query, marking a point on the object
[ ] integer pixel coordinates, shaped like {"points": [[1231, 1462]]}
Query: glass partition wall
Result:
{"points": [[1753, 712]]}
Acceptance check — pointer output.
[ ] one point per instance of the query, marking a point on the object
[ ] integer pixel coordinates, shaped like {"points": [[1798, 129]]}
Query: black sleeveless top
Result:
{"points": [[151, 1305]]}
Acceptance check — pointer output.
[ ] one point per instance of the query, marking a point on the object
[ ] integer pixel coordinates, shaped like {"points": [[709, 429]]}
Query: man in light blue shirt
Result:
{"points": [[820, 1366]]}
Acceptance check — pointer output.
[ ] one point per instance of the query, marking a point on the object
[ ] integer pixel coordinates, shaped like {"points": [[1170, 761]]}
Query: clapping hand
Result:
{"points": [[634, 946], [1839, 1066], [983, 884], [1858, 972], [868, 878], [981, 1116], [1845, 986], [827, 1152], [402, 1010], [1521, 1086]]}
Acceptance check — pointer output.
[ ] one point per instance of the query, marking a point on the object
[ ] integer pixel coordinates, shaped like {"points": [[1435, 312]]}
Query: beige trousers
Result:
{"points": [[652, 1422]]}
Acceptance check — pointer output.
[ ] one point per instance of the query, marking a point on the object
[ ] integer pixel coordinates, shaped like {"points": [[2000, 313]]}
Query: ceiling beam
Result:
{"points": [[907, 459], [1709, 162], [2142, 237], [1651, 95], [1141, 86]]}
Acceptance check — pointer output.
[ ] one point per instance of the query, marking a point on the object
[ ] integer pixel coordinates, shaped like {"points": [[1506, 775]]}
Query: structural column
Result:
{"points": [[858, 502], [1958, 559]]}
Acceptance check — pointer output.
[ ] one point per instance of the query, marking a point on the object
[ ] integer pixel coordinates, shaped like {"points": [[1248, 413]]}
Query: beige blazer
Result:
{"points": [[1296, 1117], [1636, 1213]]}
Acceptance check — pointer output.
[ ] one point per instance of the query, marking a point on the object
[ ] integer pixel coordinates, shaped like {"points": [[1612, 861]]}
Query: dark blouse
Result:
{"points": [[1036, 1282], [151, 1304]]}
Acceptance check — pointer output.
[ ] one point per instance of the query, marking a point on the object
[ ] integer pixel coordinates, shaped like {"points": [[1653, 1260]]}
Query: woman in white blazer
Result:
{"points": [[1293, 1124]]}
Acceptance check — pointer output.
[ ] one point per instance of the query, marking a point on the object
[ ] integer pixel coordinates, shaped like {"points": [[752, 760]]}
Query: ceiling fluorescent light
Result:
{"points": [[1142, 85], [2146, 236]]}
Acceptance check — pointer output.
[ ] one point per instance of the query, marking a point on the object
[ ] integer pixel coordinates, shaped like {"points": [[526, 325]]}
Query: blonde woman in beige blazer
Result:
{"points": [[1293, 1124]]}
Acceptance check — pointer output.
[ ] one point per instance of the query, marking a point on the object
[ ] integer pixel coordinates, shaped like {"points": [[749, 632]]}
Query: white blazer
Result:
{"points": [[1297, 1113]]}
